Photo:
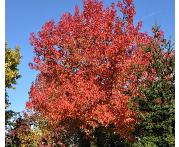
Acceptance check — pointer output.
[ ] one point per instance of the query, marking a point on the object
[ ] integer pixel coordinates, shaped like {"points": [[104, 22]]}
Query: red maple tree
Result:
{"points": [[86, 65]]}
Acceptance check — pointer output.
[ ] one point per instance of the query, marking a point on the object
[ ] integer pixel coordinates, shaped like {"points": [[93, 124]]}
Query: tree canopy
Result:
{"points": [[12, 60], [100, 74]]}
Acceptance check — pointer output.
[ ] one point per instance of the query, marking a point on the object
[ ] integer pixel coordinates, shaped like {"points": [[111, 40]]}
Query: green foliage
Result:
{"points": [[12, 60], [156, 127], [107, 137]]}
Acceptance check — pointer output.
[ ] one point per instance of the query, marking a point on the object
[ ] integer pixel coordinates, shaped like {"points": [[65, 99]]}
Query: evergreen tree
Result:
{"points": [[156, 109]]}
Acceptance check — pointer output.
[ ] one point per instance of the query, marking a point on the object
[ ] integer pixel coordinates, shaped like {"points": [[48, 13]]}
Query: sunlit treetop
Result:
{"points": [[12, 60]]}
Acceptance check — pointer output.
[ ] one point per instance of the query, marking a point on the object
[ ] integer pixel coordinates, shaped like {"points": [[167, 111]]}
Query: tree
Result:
{"points": [[86, 65], [156, 107], [12, 60]]}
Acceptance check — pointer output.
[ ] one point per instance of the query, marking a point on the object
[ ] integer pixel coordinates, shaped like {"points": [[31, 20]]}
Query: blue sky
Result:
{"points": [[26, 16]]}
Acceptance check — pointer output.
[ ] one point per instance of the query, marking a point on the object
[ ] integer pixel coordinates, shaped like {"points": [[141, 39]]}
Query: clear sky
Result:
{"points": [[26, 16]]}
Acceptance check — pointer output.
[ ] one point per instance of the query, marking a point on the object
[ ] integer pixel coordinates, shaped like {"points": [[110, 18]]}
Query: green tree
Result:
{"points": [[12, 60], [156, 109]]}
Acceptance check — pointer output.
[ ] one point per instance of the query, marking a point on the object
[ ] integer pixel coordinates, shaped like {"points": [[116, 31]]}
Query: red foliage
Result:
{"points": [[84, 63]]}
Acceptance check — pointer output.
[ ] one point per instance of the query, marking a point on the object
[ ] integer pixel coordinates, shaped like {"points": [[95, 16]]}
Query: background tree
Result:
{"points": [[24, 133], [12, 60], [156, 105]]}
